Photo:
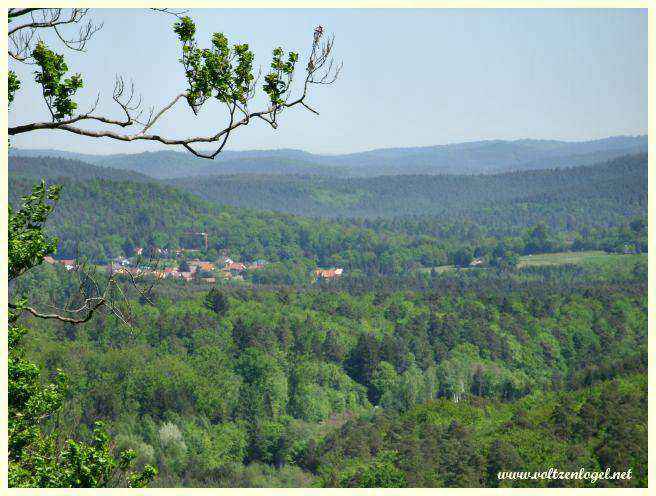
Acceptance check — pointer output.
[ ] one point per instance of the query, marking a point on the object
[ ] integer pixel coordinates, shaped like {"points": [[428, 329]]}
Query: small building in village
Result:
{"points": [[171, 272], [328, 273], [236, 267], [195, 265], [69, 264]]}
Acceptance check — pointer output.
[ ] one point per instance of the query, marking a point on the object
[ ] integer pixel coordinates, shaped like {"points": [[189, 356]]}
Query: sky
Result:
{"points": [[410, 77]]}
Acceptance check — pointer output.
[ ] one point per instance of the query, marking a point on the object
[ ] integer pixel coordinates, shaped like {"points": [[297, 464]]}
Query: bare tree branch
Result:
{"points": [[91, 297], [79, 43], [62, 318], [176, 13], [22, 44], [319, 71], [21, 36], [153, 119], [19, 12], [49, 18]]}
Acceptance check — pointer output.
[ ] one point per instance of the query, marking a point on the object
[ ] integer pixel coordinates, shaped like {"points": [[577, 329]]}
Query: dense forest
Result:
{"points": [[398, 373], [600, 207], [598, 195], [465, 315], [476, 157], [53, 167], [377, 386]]}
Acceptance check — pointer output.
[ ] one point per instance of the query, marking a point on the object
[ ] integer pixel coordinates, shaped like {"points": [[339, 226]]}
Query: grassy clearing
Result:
{"points": [[579, 258], [439, 269], [561, 258], [592, 258]]}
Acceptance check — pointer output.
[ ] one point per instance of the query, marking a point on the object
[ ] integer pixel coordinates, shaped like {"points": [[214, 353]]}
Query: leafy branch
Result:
{"points": [[222, 72]]}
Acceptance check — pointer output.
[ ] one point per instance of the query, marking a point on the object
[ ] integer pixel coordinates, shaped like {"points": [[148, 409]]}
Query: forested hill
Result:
{"points": [[489, 156], [460, 158], [592, 207], [604, 194], [99, 218], [58, 167], [614, 188], [171, 164]]}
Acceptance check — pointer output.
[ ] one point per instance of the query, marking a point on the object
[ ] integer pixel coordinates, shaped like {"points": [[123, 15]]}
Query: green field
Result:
{"points": [[579, 258], [592, 259], [439, 269], [566, 257]]}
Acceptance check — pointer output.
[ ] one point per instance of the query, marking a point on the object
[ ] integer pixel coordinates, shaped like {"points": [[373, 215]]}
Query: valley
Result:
{"points": [[324, 330], [345, 248]]}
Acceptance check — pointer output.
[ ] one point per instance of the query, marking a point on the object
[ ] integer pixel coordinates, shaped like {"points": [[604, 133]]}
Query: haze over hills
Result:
{"points": [[427, 275], [171, 164], [601, 196], [622, 180], [53, 167], [460, 158], [439, 279]]}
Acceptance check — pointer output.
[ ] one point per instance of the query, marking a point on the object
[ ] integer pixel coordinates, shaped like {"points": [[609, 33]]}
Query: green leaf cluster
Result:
{"points": [[225, 72], [13, 85], [278, 81], [37, 457], [28, 243], [221, 72], [57, 92]]}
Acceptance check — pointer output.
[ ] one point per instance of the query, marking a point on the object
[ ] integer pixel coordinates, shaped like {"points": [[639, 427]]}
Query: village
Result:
{"points": [[174, 264]]}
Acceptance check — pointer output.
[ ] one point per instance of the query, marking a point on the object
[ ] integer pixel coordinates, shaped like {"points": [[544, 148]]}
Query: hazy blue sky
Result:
{"points": [[410, 77]]}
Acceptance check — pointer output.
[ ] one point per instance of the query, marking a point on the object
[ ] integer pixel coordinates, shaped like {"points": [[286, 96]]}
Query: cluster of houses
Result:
{"points": [[203, 270], [328, 273], [165, 252], [68, 264]]}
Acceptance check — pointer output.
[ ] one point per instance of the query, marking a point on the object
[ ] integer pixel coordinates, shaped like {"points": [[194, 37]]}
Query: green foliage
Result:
{"points": [[441, 386], [463, 257], [221, 72], [277, 82], [37, 457], [27, 243], [56, 92], [226, 73], [217, 301], [29, 403], [185, 29], [380, 472], [13, 85]]}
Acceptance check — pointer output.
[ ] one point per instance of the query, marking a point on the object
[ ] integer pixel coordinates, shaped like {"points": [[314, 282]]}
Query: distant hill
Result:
{"points": [[171, 164], [406, 217], [489, 156], [460, 158], [100, 219], [620, 182], [58, 167], [601, 194]]}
